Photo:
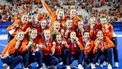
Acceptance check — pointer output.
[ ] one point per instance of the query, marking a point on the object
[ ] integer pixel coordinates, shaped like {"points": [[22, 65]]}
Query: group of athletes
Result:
{"points": [[60, 41]]}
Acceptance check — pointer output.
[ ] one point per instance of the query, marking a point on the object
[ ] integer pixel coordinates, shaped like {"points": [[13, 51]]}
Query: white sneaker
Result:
{"points": [[26, 68], [8, 67], [68, 67], [21, 66], [116, 64], [97, 64], [5, 66], [80, 66], [101, 65], [105, 63], [109, 66], [55, 67], [93, 66], [37, 65], [44, 66], [61, 63], [88, 65]]}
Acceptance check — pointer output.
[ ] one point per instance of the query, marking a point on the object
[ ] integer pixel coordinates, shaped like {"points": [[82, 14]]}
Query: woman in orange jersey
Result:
{"points": [[102, 45], [88, 47], [34, 23], [59, 48], [80, 28], [55, 16], [73, 15], [108, 31], [98, 25], [68, 28], [75, 50], [43, 26], [10, 54], [48, 50], [92, 22], [32, 51], [19, 24], [56, 28]]}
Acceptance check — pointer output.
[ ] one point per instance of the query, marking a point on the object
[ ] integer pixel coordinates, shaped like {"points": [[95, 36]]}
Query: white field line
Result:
{"points": [[2, 45], [119, 35], [3, 37]]}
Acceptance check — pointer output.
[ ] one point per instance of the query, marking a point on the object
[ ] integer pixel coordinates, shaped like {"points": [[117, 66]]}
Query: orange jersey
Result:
{"points": [[79, 32], [23, 28], [75, 19], [24, 44], [23, 47], [74, 47], [108, 33], [80, 40], [54, 16], [58, 49], [17, 22], [47, 47], [37, 27], [106, 42], [88, 48], [99, 26], [36, 41], [93, 34], [10, 48]]}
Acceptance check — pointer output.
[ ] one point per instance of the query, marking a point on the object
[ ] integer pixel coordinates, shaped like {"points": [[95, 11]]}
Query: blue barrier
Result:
{"points": [[117, 26], [5, 24], [3, 31]]}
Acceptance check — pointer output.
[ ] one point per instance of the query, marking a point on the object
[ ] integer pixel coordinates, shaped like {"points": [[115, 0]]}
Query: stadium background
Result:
{"points": [[117, 30]]}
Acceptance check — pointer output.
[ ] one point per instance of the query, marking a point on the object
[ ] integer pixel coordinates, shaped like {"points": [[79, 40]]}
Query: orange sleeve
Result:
{"points": [[11, 26], [12, 50], [109, 43], [23, 46], [94, 48], [80, 44], [91, 34], [75, 20], [90, 47], [50, 28], [67, 44], [81, 47], [25, 26], [53, 46], [10, 47], [39, 41], [52, 14], [5, 50], [110, 27], [110, 32], [46, 48]]}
